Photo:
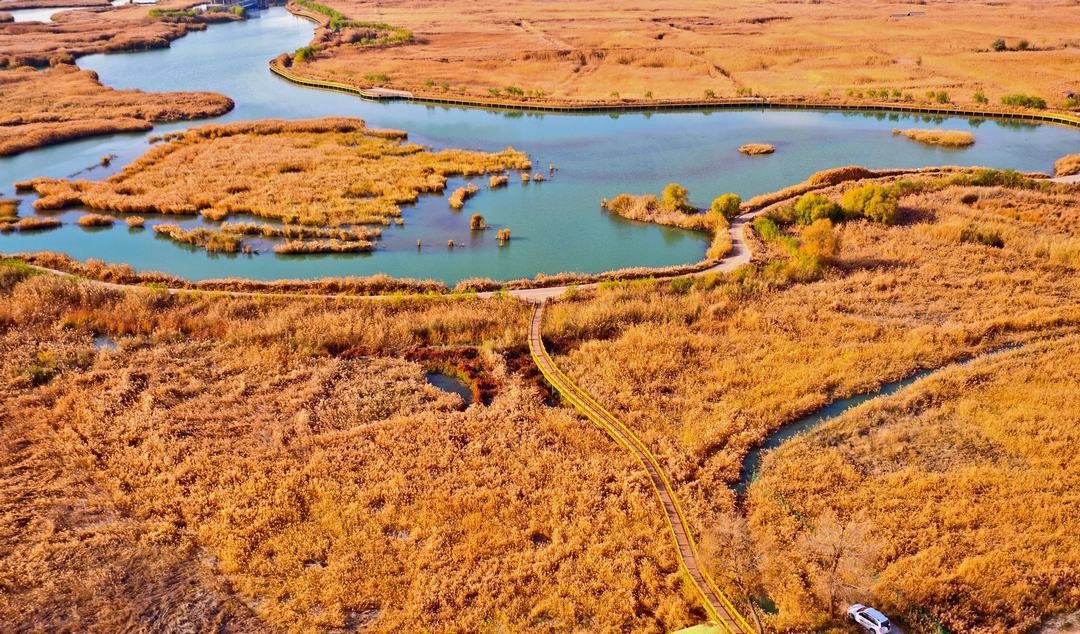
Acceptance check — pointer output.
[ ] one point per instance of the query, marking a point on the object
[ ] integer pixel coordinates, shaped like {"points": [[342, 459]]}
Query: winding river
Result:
{"points": [[557, 225]]}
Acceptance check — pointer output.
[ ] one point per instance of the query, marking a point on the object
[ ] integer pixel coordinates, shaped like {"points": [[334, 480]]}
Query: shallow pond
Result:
{"points": [[452, 384], [556, 225]]}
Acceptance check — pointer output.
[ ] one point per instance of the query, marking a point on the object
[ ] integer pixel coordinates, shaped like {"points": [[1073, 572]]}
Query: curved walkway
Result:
{"points": [[716, 604]]}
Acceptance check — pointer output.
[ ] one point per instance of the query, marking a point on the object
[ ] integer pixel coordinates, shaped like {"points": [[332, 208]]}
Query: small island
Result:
{"points": [[757, 149], [944, 138]]}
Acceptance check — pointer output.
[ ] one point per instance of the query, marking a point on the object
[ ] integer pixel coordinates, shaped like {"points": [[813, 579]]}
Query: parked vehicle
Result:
{"points": [[870, 619]]}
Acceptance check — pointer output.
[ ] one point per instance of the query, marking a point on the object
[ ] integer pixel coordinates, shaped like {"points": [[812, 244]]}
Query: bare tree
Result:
{"points": [[840, 555], [729, 550]]}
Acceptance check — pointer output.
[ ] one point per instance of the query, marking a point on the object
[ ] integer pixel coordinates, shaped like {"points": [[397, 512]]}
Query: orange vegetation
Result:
{"points": [[96, 220], [754, 149], [616, 51], [12, 5], [947, 138], [212, 241], [962, 489], [318, 172], [1067, 165], [261, 465], [33, 223], [63, 103], [703, 369], [461, 194], [9, 209], [323, 246], [88, 31]]}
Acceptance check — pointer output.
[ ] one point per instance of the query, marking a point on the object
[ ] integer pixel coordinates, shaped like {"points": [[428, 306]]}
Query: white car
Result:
{"points": [[870, 619]]}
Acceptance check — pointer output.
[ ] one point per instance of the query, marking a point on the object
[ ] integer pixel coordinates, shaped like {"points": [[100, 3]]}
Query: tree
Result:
{"points": [[728, 549], [726, 205], [811, 207], [676, 197], [820, 239], [840, 556], [999, 45], [874, 202]]}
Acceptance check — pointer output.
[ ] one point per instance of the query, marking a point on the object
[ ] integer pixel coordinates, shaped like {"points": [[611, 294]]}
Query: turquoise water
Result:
{"points": [[556, 225]]}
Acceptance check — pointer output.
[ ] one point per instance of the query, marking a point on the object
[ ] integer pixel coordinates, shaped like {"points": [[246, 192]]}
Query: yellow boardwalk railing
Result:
{"points": [[716, 604]]}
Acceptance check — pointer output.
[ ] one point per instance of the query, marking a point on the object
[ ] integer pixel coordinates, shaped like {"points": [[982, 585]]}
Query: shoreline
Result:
{"points": [[538, 289], [1064, 118], [720, 103]]}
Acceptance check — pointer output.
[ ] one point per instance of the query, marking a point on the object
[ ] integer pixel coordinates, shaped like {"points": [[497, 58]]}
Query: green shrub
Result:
{"points": [[12, 272], [44, 368], [873, 202], [766, 228], [710, 94], [811, 207], [1024, 101], [726, 205], [676, 197], [302, 55], [993, 178], [980, 97], [377, 78], [802, 267], [682, 285]]}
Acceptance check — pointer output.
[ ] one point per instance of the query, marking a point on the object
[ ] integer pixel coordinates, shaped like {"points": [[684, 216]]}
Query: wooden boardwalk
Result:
{"points": [[716, 604]]}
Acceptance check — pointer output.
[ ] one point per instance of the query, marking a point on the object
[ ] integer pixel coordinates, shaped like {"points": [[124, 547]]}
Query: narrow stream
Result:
{"points": [[752, 462]]}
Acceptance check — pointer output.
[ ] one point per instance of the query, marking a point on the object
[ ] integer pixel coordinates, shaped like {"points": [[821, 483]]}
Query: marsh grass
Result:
{"points": [[337, 172], [323, 246], [95, 220], [257, 462], [757, 149], [705, 370], [63, 103], [936, 471], [1067, 165], [946, 138]]}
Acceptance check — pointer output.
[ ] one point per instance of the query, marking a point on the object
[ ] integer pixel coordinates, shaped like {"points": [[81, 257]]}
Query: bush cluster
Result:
{"points": [[1024, 101]]}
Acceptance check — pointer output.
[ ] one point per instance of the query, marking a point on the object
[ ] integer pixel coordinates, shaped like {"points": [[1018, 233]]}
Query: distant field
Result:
{"points": [[607, 50]]}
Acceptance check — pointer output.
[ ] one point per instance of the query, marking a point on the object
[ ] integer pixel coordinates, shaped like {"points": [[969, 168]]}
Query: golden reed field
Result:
{"points": [[327, 171], [63, 103], [610, 51], [704, 371], [256, 463]]}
